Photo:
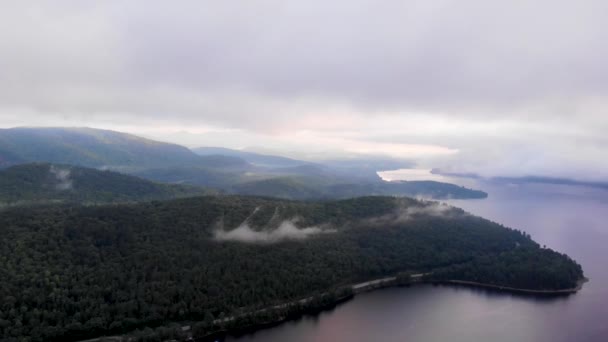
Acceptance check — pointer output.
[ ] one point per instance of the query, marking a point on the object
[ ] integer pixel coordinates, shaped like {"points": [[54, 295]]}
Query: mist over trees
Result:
{"points": [[40, 183]]}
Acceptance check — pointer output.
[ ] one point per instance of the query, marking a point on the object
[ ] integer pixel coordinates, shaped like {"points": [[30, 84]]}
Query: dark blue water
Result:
{"points": [[573, 220]]}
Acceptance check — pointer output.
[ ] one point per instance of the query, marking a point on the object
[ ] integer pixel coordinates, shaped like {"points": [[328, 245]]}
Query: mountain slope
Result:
{"points": [[257, 159], [282, 187], [44, 183], [419, 189], [315, 187], [96, 148]]}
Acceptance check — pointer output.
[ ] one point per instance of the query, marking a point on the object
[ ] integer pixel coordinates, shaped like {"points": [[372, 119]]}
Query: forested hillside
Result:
{"points": [[303, 187], [74, 272], [47, 183], [88, 147], [251, 157]]}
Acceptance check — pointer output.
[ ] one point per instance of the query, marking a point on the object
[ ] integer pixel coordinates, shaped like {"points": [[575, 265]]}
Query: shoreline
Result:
{"points": [[388, 282], [358, 288]]}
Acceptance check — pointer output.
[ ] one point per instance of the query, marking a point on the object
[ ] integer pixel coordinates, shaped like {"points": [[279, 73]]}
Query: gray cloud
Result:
{"points": [[275, 230], [526, 78], [287, 230], [405, 212], [426, 54]]}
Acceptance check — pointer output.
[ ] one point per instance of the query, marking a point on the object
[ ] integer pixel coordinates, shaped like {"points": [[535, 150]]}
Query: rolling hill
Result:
{"points": [[311, 187], [87, 147], [52, 183], [99, 149], [257, 159]]}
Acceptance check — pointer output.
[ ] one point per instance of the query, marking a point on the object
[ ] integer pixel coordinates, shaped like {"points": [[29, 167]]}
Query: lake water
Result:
{"points": [[573, 220]]}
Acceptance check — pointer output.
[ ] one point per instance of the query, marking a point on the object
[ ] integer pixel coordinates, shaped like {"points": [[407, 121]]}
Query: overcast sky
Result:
{"points": [[496, 87]]}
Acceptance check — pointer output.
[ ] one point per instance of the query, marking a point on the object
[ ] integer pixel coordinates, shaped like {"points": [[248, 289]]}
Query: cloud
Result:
{"points": [[432, 55], [515, 86], [430, 209], [287, 230], [405, 212], [273, 231], [64, 182]]}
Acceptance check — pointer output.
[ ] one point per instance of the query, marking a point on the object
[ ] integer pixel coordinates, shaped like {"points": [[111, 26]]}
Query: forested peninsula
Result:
{"points": [[71, 273]]}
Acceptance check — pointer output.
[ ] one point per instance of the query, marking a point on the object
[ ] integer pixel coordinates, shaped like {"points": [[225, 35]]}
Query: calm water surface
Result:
{"points": [[573, 220]]}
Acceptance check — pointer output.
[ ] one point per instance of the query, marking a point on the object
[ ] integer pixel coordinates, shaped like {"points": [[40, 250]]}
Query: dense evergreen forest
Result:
{"points": [[43, 183], [525, 268], [70, 273], [88, 147], [306, 185]]}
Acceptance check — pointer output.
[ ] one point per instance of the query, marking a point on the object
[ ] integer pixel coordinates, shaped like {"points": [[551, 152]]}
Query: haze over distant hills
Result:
{"points": [[230, 171]]}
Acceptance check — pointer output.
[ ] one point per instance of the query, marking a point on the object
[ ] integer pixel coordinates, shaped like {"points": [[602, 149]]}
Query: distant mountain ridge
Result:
{"points": [[97, 148], [230, 171], [251, 157]]}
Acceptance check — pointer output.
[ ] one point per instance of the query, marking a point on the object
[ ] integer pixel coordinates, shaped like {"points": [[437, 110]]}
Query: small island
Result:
{"points": [[198, 266]]}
